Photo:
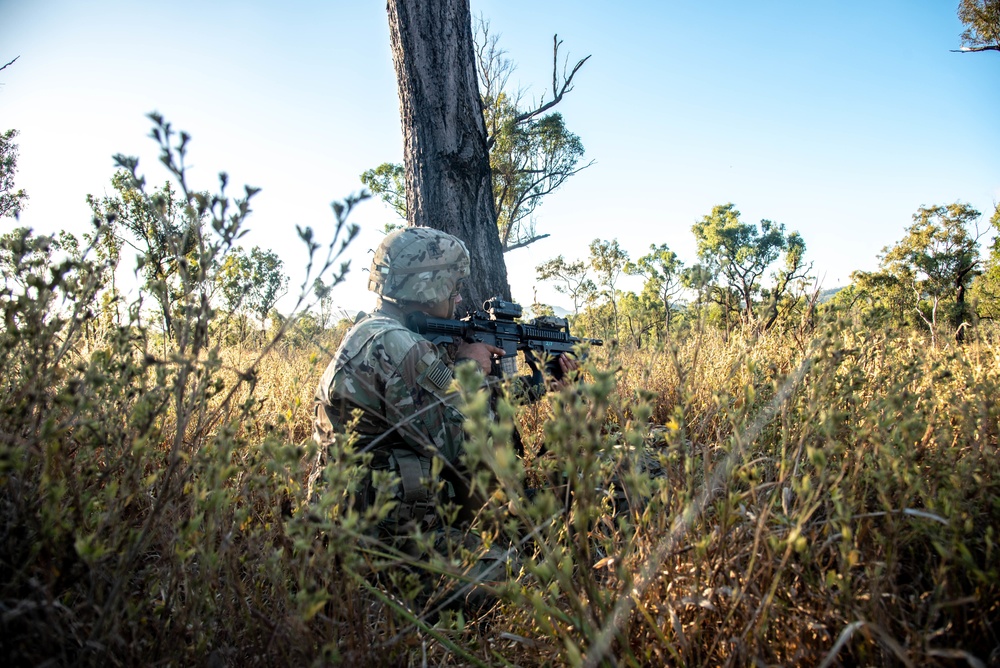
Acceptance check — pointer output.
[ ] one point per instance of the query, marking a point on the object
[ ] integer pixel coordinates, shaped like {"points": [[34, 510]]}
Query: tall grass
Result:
{"points": [[713, 502], [826, 496]]}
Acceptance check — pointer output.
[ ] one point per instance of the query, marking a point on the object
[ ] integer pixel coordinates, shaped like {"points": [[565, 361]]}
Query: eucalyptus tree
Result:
{"points": [[571, 279], [986, 286], [662, 270], [781, 296], [529, 151], [11, 201], [982, 25], [162, 231], [608, 261], [938, 259], [252, 282], [737, 255]]}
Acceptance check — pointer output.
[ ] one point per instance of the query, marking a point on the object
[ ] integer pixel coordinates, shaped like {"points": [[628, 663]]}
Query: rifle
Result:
{"points": [[545, 337]]}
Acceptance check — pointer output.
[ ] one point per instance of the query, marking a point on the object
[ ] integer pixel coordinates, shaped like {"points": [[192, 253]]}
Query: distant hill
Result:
{"points": [[561, 312], [558, 310], [827, 295]]}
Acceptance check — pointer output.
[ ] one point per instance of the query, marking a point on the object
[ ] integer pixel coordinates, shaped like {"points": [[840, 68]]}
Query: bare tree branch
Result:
{"points": [[524, 242], [974, 49], [557, 90], [16, 57]]}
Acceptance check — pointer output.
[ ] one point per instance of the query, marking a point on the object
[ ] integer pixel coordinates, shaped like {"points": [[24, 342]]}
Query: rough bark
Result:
{"points": [[448, 184], [962, 310]]}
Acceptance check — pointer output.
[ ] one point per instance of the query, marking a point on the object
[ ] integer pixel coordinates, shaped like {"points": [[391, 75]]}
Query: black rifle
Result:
{"points": [[545, 337]]}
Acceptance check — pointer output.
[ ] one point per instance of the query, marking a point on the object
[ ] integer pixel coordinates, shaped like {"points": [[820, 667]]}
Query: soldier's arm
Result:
{"points": [[418, 401]]}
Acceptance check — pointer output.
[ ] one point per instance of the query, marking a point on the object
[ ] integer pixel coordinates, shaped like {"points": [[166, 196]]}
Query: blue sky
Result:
{"points": [[837, 119]]}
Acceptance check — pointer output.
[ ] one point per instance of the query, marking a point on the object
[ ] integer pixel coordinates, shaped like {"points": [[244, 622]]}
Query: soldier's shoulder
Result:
{"points": [[381, 331], [398, 341], [375, 323]]}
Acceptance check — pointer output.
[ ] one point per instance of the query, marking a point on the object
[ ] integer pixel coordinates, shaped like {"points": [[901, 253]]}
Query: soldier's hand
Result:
{"points": [[482, 353], [568, 366]]}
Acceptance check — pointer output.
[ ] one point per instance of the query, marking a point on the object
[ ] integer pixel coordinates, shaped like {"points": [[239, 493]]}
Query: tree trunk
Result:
{"points": [[448, 184], [961, 307]]}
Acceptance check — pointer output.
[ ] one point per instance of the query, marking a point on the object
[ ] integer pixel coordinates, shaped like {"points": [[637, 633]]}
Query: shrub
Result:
{"points": [[827, 495]]}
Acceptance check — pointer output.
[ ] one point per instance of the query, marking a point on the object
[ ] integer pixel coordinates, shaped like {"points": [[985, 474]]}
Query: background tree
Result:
{"points": [[269, 283], [570, 277], [531, 152], [986, 286], [882, 299], [737, 254], [325, 315], [982, 25], [662, 270], [608, 260], [27, 259], [641, 315], [159, 228], [388, 182], [938, 259], [447, 168], [11, 201], [700, 280], [780, 296], [251, 282]]}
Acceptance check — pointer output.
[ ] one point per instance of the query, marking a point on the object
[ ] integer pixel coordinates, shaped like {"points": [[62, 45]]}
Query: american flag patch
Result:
{"points": [[440, 374]]}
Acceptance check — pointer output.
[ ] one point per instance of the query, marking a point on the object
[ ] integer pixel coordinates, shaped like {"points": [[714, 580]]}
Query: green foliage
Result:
{"points": [[571, 279], [388, 183], [662, 270], [138, 521], [11, 201], [252, 282], [531, 153], [166, 232], [982, 24], [925, 276], [608, 261], [641, 316], [737, 255], [529, 159], [986, 286]]}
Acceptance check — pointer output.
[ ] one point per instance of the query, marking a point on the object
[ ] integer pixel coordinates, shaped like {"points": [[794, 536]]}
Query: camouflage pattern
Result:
{"points": [[419, 265], [400, 382]]}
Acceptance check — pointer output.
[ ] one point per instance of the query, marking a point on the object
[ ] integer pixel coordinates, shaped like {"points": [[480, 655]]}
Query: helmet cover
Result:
{"points": [[418, 264]]}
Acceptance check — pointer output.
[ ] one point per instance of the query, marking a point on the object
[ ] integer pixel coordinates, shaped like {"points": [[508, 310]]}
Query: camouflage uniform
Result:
{"points": [[399, 381]]}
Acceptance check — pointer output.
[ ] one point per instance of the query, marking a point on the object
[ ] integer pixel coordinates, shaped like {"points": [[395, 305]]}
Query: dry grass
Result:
{"points": [[824, 498]]}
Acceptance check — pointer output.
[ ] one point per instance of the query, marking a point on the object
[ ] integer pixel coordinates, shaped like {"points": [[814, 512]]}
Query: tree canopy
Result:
{"points": [[570, 278], [11, 201], [662, 270], [924, 278], [982, 25], [735, 256]]}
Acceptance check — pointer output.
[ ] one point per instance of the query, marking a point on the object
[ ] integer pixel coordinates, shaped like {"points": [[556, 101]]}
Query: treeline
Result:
{"points": [[186, 253], [935, 279]]}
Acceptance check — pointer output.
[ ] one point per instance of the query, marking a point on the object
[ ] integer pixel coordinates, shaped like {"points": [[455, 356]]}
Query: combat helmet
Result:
{"points": [[418, 264]]}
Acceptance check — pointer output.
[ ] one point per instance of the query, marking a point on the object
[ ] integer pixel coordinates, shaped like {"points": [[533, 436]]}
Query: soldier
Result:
{"points": [[399, 381]]}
